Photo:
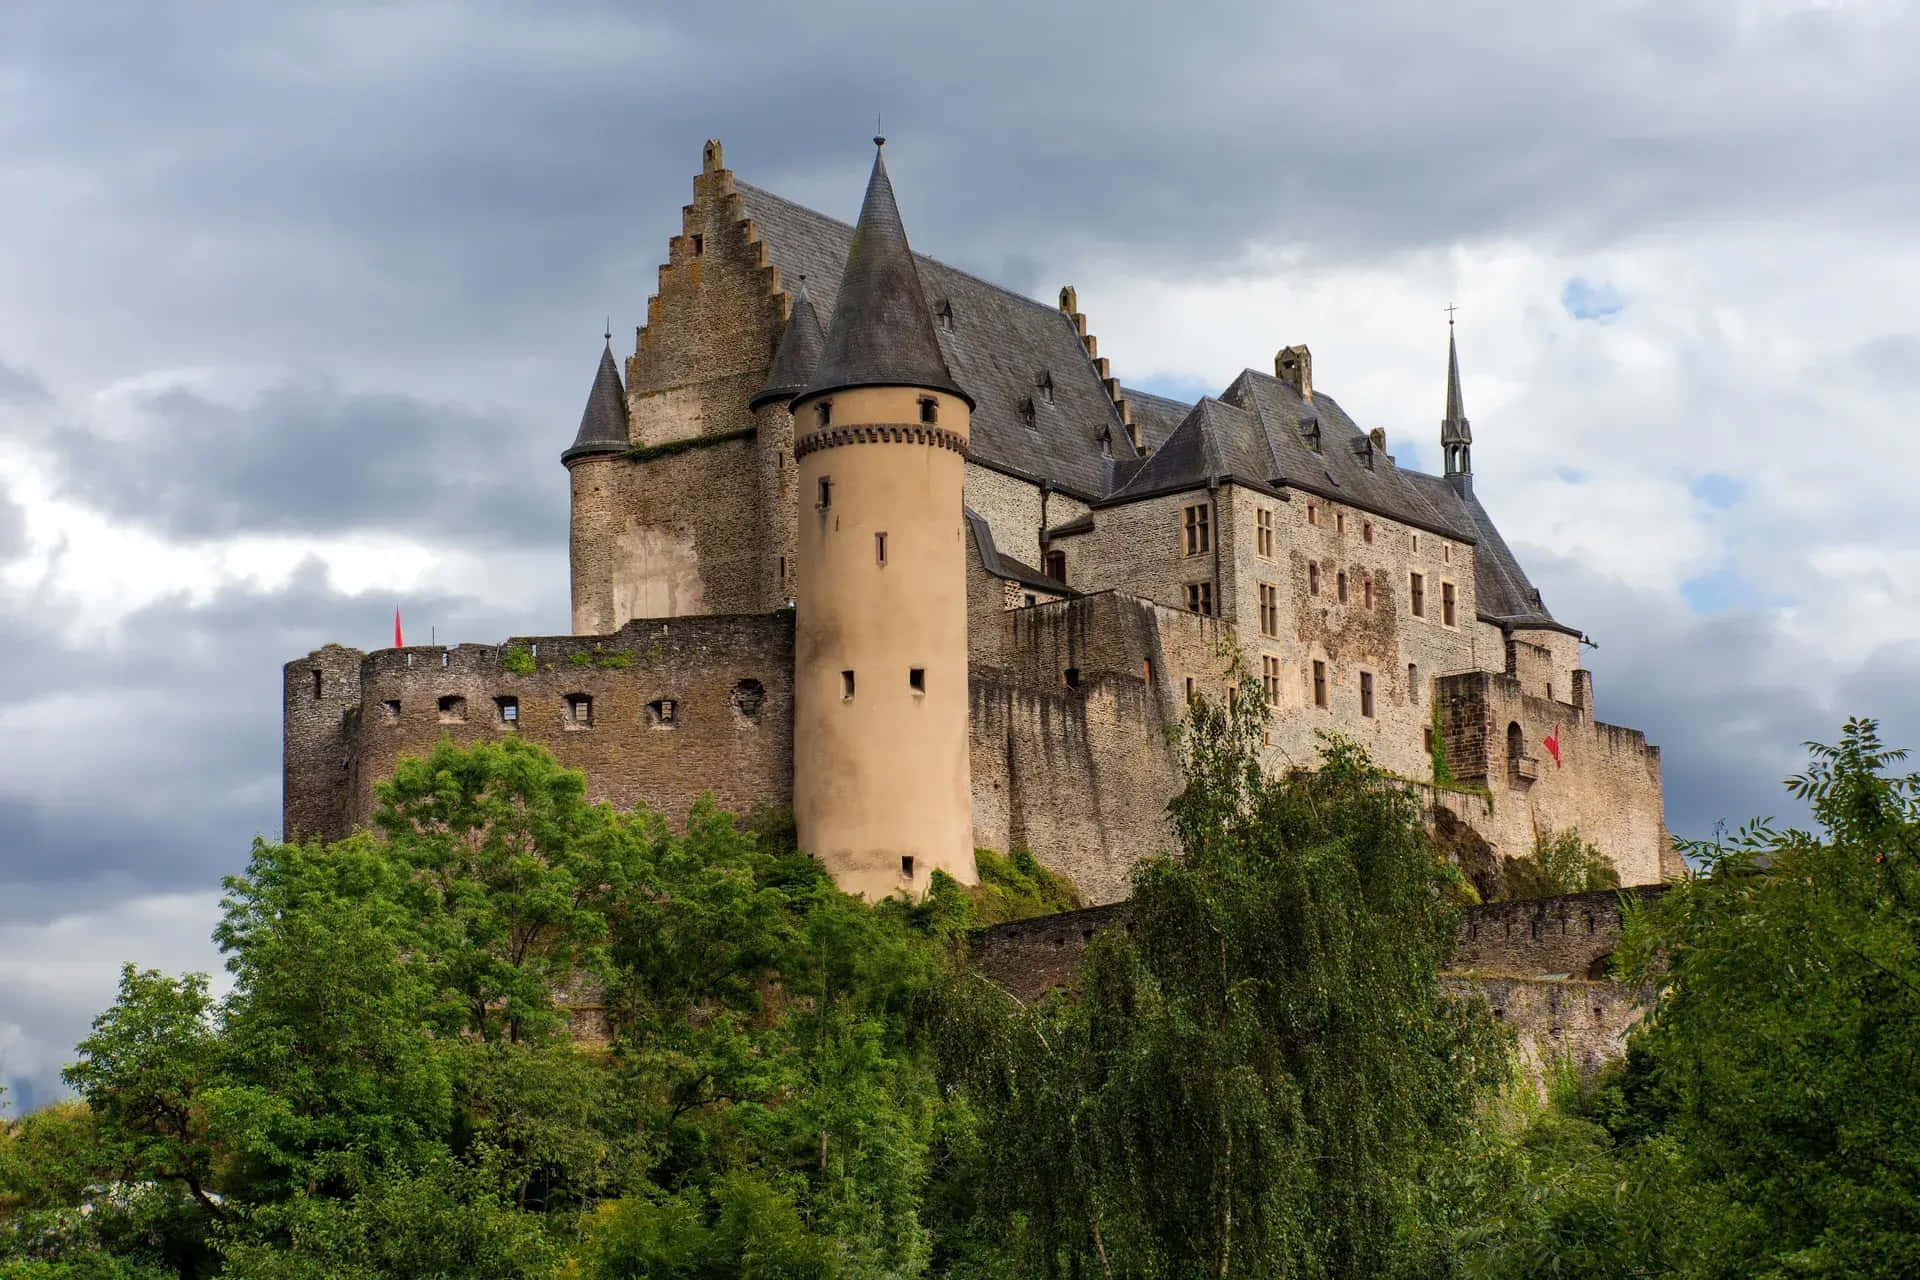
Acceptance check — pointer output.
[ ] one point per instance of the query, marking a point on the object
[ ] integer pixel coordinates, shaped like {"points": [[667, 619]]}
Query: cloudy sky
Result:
{"points": [[299, 303]]}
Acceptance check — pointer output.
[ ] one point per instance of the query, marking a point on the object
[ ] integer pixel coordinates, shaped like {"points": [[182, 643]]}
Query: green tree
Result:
{"points": [[1249, 1073], [1561, 862]]}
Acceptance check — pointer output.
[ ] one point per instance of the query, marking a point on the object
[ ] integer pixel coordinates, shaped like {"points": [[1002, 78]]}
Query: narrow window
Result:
{"points": [[783, 568], [508, 709], [1417, 594], [1146, 670], [824, 410], [445, 658], [929, 409], [1366, 694], [663, 713], [1426, 739], [1549, 691], [1073, 677], [906, 866], [1366, 591], [1263, 532], [317, 677], [1057, 565], [1191, 695], [1313, 513], [1270, 678], [1313, 579], [1319, 683], [880, 549], [1269, 610], [826, 492], [846, 686], [1199, 537], [1340, 585], [1339, 522], [1200, 598], [699, 245], [1416, 542], [579, 711], [1446, 552], [1413, 682], [917, 679], [1446, 603], [453, 709], [1366, 531], [391, 707], [1516, 745]]}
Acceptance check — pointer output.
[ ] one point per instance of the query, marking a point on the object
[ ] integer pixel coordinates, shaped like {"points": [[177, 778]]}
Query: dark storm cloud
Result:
{"points": [[158, 753], [308, 457]]}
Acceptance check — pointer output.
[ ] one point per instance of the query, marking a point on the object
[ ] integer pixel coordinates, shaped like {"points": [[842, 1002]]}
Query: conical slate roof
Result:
{"points": [[1453, 428], [603, 425], [882, 332], [799, 354]]}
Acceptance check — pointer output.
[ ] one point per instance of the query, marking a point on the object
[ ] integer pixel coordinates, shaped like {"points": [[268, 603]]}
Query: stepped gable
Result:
{"points": [[603, 424], [801, 345], [1010, 352]]}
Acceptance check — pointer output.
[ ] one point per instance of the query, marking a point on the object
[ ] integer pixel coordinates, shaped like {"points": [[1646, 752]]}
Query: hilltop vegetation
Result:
{"points": [[1261, 1078]]}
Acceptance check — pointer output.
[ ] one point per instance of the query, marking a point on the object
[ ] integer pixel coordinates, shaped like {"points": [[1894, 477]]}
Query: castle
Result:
{"points": [[858, 533]]}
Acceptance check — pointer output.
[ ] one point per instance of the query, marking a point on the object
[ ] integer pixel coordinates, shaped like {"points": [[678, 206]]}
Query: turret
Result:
{"points": [[593, 463], [1456, 437], [801, 343], [880, 792]]}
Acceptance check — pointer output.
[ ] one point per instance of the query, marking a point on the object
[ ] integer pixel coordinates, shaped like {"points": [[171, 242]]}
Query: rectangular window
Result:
{"points": [[1417, 594], [1446, 552], [1340, 586], [1413, 682], [1263, 532], [929, 409], [1270, 679], [1313, 513], [1199, 537], [880, 549], [826, 492], [917, 679], [509, 708], [1366, 532], [846, 686], [1366, 694], [1313, 579], [1416, 541], [699, 245], [1319, 683], [1446, 603], [906, 866], [1190, 691], [1366, 591], [1057, 565], [1339, 522], [579, 711], [317, 678], [1200, 598], [1269, 610]]}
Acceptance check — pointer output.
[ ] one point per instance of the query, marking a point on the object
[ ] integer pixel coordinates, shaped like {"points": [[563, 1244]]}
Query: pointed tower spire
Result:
{"points": [[603, 424], [799, 353], [1456, 436], [882, 333]]}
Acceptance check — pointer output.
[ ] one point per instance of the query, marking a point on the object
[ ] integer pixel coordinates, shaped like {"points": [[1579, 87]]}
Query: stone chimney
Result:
{"points": [[1294, 366], [1379, 437]]}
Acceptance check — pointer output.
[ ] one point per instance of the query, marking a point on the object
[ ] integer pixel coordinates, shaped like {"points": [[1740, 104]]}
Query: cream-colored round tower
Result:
{"points": [[880, 788]]}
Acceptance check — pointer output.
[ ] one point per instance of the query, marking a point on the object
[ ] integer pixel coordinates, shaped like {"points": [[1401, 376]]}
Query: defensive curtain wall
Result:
{"points": [[1542, 966], [1074, 710]]}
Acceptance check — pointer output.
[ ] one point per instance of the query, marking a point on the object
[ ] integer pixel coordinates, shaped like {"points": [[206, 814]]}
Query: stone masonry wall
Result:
{"points": [[729, 678], [1607, 784], [320, 713]]}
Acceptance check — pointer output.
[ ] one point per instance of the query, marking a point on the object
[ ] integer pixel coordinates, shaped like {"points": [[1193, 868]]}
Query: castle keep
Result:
{"points": [[858, 533]]}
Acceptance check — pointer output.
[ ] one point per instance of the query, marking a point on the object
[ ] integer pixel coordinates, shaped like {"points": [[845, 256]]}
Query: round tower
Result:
{"points": [[593, 465], [881, 791], [794, 362]]}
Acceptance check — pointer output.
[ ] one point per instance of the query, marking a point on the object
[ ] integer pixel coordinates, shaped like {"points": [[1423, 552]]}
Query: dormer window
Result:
{"points": [[943, 313], [1043, 381], [1310, 432], [824, 411], [929, 409], [1027, 411]]}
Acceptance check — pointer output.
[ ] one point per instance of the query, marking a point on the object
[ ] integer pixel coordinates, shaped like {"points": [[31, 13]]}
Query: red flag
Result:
{"points": [[1552, 744], [398, 643]]}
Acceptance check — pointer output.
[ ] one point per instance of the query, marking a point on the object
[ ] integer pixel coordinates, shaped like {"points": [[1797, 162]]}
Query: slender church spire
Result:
{"points": [[1456, 436], [799, 353], [882, 334], [603, 424]]}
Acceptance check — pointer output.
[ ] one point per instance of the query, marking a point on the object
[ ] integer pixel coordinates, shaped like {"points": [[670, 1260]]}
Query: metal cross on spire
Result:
{"points": [[1450, 310]]}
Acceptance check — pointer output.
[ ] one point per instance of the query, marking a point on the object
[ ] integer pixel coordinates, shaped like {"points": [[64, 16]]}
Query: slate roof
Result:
{"points": [[603, 424], [998, 347], [799, 353], [1001, 565], [882, 331], [1155, 416]]}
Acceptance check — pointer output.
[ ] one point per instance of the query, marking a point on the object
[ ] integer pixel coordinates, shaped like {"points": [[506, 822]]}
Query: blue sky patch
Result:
{"points": [[1719, 491], [1585, 300], [1716, 592], [1570, 475]]}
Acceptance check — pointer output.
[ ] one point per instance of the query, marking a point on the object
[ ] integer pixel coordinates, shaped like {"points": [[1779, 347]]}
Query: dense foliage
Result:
{"points": [[1260, 1076], [1561, 862]]}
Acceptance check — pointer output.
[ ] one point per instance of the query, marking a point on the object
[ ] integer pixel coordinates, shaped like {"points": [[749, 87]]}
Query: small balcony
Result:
{"points": [[1523, 769]]}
